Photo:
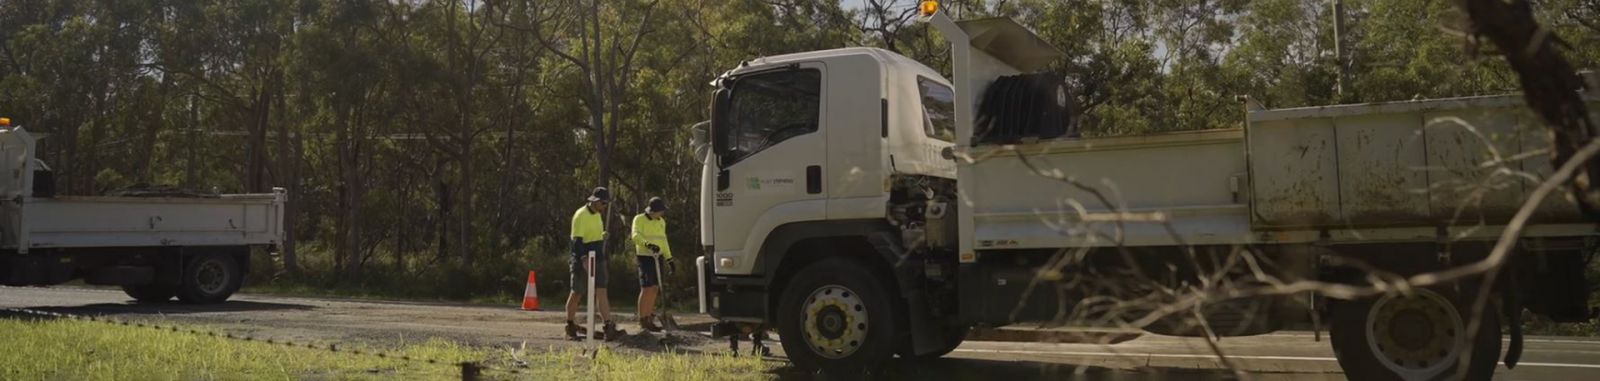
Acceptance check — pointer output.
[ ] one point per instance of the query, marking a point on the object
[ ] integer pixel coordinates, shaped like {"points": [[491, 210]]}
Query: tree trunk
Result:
{"points": [[464, 228], [355, 181], [255, 150], [154, 120], [291, 211], [441, 191], [288, 176], [190, 171], [341, 228]]}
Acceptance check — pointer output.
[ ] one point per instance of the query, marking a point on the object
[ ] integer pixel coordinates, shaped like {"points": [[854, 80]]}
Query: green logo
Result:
{"points": [[754, 183]]}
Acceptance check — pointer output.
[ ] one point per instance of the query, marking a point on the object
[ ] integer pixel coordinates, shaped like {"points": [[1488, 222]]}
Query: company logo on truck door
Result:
{"points": [[783, 182]]}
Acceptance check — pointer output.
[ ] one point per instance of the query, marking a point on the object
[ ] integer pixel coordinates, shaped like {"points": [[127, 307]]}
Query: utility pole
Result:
{"points": [[1338, 50]]}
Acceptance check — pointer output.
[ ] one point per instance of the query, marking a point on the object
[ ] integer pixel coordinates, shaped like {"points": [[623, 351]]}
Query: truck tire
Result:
{"points": [[209, 279], [1416, 337], [150, 293], [837, 316]]}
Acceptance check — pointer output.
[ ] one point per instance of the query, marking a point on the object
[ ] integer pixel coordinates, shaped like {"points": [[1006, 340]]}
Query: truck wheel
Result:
{"points": [[1416, 337], [150, 293], [209, 279], [836, 316]]}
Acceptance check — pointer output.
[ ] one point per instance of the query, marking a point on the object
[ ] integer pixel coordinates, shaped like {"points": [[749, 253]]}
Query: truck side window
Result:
{"points": [[769, 108], [938, 109]]}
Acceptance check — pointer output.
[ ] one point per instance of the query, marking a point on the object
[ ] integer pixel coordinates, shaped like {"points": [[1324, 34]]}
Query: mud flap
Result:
{"points": [[1513, 312], [926, 333]]}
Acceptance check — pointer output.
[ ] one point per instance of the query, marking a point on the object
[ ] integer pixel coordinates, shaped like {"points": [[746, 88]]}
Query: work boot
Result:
{"points": [[648, 324], [611, 332], [575, 332]]}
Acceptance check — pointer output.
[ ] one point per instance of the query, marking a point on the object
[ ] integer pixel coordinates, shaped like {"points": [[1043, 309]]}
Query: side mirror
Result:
{"points": [[719, 121], [700, 141]]}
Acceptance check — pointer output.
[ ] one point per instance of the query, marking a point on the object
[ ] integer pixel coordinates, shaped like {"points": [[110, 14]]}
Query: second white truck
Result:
{"points": [[155, 245], [865, 207]]}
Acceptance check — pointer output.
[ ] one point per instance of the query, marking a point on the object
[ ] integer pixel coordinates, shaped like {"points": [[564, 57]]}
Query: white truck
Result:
{"points": [[155, 246], [865, 207]]}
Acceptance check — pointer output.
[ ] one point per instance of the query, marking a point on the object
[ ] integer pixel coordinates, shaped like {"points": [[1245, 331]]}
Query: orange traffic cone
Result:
{"points": [[530, 295]]}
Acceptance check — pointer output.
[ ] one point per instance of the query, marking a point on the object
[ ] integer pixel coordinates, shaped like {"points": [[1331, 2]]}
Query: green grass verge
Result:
{"points": [[571, 364], [80, 350]]}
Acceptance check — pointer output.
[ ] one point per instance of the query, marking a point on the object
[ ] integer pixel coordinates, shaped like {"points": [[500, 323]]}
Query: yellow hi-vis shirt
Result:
{"points": [[648, 231], [588, 225]]}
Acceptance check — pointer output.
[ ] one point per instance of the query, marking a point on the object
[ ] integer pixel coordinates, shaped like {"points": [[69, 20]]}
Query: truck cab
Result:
{"points": [[787, 155], [826, 158]]}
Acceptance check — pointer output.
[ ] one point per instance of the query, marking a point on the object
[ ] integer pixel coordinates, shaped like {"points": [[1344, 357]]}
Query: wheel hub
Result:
{"points": [[832, 322], [835, 321], [1416, 336], [211, 277], [1409, 330]]}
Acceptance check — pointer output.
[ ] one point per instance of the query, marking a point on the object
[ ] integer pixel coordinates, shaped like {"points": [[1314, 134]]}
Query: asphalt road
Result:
{"points": [[1284, 356]]}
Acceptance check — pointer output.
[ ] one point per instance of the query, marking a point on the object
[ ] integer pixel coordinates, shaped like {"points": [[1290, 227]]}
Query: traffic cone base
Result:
{"points": [[530, 295]]}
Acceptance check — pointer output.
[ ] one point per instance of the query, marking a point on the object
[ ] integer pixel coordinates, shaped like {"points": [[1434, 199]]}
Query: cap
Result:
{"points": [[656, 205], [600, 194]]}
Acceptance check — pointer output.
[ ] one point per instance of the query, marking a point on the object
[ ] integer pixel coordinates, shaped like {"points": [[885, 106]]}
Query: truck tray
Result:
{"points": [[81, 222]]}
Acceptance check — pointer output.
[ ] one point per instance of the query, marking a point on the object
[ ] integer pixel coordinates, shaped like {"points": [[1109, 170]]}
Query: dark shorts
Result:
{"points": [[649, 272], [580, 278]]}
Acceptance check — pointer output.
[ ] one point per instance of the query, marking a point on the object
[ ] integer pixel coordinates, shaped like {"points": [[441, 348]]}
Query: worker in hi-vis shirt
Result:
{"points": [[652, 253], [589, 236]]}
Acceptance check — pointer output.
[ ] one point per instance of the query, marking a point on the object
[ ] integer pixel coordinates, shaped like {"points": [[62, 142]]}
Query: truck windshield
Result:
{"points": [[769, 108], [938, 109]]}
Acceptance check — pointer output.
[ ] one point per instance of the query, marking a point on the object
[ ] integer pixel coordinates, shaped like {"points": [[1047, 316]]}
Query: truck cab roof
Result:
{"points": [[889, 59], [910, 146]]}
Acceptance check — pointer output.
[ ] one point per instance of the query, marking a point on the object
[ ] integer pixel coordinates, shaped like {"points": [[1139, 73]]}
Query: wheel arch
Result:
{"points": [[240, 254], [794, 246]]}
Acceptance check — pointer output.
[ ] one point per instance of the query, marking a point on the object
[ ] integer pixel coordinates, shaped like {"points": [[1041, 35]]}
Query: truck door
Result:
{"points": [[771, 145]]}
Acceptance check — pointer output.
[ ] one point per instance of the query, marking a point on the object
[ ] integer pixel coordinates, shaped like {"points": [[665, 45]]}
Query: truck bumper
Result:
{"points": [[731, 298]]}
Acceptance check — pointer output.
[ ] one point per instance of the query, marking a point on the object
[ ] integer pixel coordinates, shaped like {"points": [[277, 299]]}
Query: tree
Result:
{"points": [[1549, 83]]}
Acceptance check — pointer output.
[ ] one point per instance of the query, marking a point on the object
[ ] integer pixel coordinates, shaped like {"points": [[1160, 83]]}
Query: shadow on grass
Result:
{"points": [[23, 316]]}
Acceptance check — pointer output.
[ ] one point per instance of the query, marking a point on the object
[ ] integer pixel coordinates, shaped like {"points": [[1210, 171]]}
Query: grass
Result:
{"points": [[571, 364], [81, 350], [1544, 328]]}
